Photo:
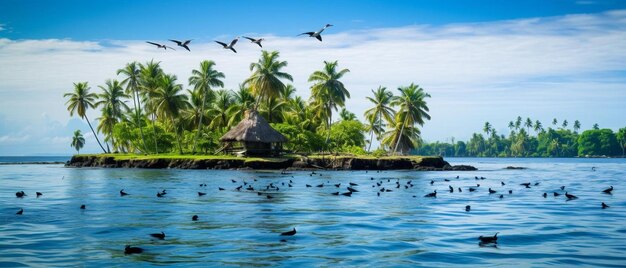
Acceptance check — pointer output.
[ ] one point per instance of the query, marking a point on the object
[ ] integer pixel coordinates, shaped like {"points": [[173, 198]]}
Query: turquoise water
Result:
{"points": [[242, 228]]}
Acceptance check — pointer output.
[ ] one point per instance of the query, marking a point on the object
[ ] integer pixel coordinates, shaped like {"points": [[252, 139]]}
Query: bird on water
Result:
{"points": [[604, 205], [194, 217], [289, 233], [132, 250], [433, 194], [570, 196], [122, 193], [20, 212], [489, 239], [20, 194], [608, 190], [158, 235]]}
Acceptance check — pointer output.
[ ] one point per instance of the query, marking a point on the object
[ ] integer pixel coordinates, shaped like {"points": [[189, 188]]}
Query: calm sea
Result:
{"points": [[241, 228]]}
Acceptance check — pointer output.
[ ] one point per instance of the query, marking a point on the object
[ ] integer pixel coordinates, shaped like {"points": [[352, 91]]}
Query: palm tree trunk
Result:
{"points": [[156, 146], [400, 136], [180, 147], [137, 117], [195, 141], [94, 133], [371, 139]]}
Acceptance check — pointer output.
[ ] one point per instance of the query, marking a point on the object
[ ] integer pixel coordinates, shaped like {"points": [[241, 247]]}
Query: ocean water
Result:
{"points": [[241, 228]]}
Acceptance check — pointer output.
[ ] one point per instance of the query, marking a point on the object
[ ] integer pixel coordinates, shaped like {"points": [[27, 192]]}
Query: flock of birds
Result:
{"points": [[270, 190], [185, 44]]}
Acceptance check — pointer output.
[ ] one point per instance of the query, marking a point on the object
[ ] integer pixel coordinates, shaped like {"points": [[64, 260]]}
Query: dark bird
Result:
{"points": [[433, 194], [40, 194], [382, 189], [269, 196], [432, 182], [570, 196], [337, 185], [510, 191], [220, 188], [233, 181], [320, 185], [556, 194], [460, 190], [160, 45], [562, 188], [501, 196], [289, 233], [229, 46], [335, 193], [451, 189], [604, 205], [201, 193], [159, 194], [20, 212], [194, 217], [122, 193], [83, 207], [307, 186], [489, 239], [608, 190], [545, 195], [352, 189], [20, 194], [159, 236], [388, 190], [467, 208], [502, 183], [378, 193], [492, 191], [182, 44], [472, 189], [250, 188], [353, 184], [527, 184], [593, 168], [132, 250], [446, 180], [256, 41], [536, 183], [347, 193], [318, 33], [239, 188], [259, 193]]}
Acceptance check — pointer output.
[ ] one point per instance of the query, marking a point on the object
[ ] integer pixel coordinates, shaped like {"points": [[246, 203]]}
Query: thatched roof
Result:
{"points": [[253, 128]]}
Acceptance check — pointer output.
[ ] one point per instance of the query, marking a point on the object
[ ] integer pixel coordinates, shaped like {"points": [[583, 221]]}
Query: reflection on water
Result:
{"points": [[241, 228]]}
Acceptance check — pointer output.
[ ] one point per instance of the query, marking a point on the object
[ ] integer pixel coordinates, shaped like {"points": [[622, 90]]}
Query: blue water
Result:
{"points": [[31, 159], [242, 228]]}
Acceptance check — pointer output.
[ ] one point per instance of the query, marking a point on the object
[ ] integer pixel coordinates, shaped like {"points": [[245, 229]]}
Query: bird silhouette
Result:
{"points": [[220, 188], [353, 184], [158, 235], [201, 193], [492, 191], [433, 194], [38, 194], [347, 194], [229, 46], [184, 44], [122, 193], [604, 205], [335, 193], [289, 233], [258, 42], [545, 195], [159, 194], [352, 189], [83, 207], [570, 196], [20, 194], [160, 45], [555, 194], [194, 217], [608, 190], [20, 212], [318, 33], [132, 250], [489, 239], [468, 208]]}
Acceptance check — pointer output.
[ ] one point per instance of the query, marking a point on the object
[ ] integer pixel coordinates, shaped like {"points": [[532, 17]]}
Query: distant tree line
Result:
{"points": [[528, 138]]}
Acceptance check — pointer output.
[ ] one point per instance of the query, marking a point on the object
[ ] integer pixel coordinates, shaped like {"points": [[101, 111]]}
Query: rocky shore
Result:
{"points": [[329, 163]]}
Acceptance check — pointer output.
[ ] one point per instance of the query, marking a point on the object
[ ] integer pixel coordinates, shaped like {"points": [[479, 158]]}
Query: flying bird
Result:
{"points": [[182, 43], [318, 33], [229, 46], [258, 42], [160, 45]]}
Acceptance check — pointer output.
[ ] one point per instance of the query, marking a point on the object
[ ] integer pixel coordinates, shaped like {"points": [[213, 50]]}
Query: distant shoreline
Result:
{"points": [[33, 163]]}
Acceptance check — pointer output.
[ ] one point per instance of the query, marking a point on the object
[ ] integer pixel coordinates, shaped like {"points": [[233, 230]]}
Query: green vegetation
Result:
{"points": [[78, 141], [553, 142], [165, 117]]}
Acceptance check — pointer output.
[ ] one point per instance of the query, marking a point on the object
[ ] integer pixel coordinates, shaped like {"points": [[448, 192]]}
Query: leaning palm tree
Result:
{"points": [[265, 81], [78, 141], [106, 123], [112, 98], [381, 110], [169, 102], [402, 136], [79, 101], [413, 107], [327, 91], [132, 72], [203, 80]]}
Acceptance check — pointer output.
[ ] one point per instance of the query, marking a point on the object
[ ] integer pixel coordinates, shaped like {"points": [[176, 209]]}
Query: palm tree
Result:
{"points": [[219, 110], [381, 110], [528, 124], [149, 81], [413, 108], [132, 72], [327, 91], [555, 122], [106, 123], [78, 141], [265, 81], [191, 116], [511, 125], [487, 128], [242, 101], [518, 122], [402, 135], [564, 123], [79, 101], [203, 80], [272, 109], [538, 127], [112, 98], [596, 126], [576, 126], [168, 102], [346, 115]]}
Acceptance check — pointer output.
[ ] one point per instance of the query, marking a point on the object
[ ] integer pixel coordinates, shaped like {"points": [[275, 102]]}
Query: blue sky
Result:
{"points": [[480, 60]]}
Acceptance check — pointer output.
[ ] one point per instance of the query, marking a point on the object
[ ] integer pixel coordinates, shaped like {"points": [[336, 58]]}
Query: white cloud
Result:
{"points": [[538, 67], [7, 139]]}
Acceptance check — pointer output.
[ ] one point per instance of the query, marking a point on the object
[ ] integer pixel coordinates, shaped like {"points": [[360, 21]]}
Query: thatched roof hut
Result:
{"points": [[256, 135]]}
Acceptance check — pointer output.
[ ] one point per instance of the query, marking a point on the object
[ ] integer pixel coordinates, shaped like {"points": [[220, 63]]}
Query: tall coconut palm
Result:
{"points": [[328, 91], [169, 102], [565, 123], [203, 80], [149, 81], [402, 136], [242, 101], [106, 123], [487, 128], [219, 109], [191, 115], [112, 97], [413, 107], [381, 110], [528, 124], [265, 81], [576, 126], [272, 110], [555, 122], [518, 123], [538, 127], [78, 141], [79, 101], [131, 71], [511, 125]]}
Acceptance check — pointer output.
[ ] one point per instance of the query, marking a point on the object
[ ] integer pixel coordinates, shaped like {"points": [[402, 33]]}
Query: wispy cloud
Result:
{"points": [[538, 67]]}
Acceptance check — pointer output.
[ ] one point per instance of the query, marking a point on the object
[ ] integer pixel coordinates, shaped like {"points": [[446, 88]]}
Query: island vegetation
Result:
{"points": [[166, 117], [528, 138]]}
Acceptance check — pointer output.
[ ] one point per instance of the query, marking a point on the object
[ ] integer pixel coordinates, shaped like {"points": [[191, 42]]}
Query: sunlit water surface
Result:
{"points": [[399, 228]]}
